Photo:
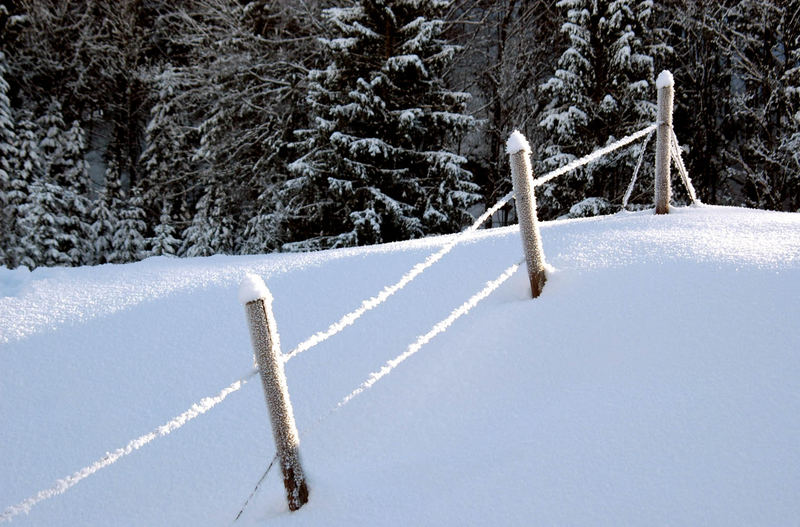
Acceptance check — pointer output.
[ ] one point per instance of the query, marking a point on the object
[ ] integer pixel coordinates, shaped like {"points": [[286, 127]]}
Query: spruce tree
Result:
{"points": [[762, 156], [42, 227], [601, 91], [164, 242], [211, 231], [27, 171], [105, 217], [51, 128], [129, 242], [379, 164], [8, 159], [168, 171], [74, 174]]}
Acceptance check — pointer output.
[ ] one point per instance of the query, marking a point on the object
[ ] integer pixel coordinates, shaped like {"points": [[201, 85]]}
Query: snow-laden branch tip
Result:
{"points": [[516, 143]]}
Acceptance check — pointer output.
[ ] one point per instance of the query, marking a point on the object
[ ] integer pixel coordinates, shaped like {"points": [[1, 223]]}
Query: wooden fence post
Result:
{"points": [[519, 152], [255, 296], [666, 88]]}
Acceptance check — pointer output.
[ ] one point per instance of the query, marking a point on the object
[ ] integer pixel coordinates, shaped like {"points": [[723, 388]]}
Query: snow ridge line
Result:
{"points": [[438, 328], [597, 154], [62, 485], [373, 302]]}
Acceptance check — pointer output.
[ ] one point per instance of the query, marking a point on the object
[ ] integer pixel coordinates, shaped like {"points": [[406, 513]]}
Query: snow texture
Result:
{"points": [[517, 142], [618, 398], [253, 288], [664, 80]]}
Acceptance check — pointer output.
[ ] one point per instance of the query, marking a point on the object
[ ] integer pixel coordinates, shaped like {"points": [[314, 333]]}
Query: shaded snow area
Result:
{"points": [[655, 381]]}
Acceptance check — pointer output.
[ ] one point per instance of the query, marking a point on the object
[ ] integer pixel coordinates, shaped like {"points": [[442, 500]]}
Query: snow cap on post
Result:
{"points": [[664, 79], [253, 288], [516, 143]]}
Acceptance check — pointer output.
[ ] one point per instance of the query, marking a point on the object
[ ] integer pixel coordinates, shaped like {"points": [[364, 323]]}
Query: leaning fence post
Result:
{"points": [[255, 296], [666, 88], [519, 152]]}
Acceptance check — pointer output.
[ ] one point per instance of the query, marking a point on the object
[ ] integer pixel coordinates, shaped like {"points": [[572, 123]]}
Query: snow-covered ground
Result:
{"points": [[655, 381]]}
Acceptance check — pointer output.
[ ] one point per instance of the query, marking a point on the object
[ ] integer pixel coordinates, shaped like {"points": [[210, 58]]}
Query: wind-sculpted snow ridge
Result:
{"points": [[62, 485]]}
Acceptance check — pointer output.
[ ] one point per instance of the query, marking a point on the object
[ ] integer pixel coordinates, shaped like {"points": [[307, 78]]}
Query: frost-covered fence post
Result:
{"points": [[666, 89], [255, 296], [519, 152]]}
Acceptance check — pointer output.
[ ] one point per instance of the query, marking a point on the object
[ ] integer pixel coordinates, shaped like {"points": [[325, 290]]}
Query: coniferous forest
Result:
{"points": [[133, 128]]}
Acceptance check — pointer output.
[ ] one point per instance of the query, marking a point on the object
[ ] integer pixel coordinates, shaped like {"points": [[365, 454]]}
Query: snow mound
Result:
{"points": [[654, 381]]}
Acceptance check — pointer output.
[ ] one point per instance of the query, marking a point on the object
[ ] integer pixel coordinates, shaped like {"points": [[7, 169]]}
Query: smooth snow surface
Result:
{"points": [[655, 381]]}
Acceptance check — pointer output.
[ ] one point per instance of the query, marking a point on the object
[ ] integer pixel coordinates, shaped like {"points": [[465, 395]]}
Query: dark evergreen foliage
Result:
{"points": [[380, 163], [136, 128]]}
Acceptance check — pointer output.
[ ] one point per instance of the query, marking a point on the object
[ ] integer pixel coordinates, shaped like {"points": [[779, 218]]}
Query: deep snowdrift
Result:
{"points": [[656, 380]]}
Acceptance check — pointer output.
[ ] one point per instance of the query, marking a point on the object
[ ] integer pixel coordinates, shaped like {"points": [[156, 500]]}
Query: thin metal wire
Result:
{"points": [[675, 150], [636, 171], [597, 154], [255, 489]]}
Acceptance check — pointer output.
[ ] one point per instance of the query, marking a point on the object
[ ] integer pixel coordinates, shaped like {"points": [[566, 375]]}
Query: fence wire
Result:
{"points": [[64, 484], [594, 156], [675, 149], [346, 320]]}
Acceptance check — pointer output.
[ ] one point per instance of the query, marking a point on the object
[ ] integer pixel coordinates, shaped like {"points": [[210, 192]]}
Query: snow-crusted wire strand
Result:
{"points": [[415, 347], [675, 149], [62, 485], [207, 403], [629, 190], [438, 328], [373, 302], [594, 156]]}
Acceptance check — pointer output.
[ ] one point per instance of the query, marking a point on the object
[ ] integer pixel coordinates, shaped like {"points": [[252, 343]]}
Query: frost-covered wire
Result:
{"points": [[629, 190], [207, 403], [675, 149], [411, 350], [438, 328], [62, 485], [594, 156], [373, 302]]}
